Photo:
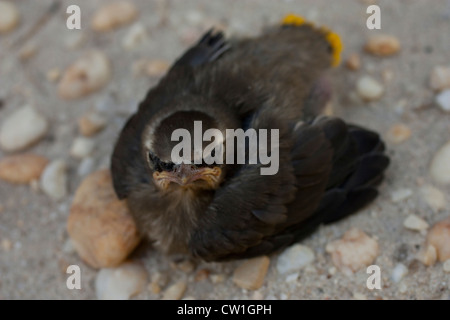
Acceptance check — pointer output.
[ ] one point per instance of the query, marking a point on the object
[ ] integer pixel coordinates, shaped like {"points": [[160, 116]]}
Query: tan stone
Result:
{"points": [[439, 237], [251, 273], [114, 15], [383, 45], [100, 225], [88, 74], [22, 168]]}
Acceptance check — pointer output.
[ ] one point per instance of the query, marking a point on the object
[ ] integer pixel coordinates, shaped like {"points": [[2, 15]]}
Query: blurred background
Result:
{"points": [[65, 95]]}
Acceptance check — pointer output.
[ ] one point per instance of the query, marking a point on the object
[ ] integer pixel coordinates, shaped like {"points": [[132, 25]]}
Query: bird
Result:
{"points": [[278, 80]]}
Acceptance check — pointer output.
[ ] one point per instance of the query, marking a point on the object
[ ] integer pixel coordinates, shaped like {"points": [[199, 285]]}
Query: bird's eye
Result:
{"points": [[167, 166]]}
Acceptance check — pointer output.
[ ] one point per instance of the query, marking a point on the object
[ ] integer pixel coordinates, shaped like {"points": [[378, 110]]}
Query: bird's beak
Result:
{"points": [[186, 174]]}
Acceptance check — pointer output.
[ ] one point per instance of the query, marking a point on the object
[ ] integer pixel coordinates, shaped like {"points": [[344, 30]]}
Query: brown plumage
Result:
{"points": [[328, 169]]}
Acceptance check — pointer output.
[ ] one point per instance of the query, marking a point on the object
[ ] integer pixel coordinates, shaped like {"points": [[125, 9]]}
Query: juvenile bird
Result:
{"points": [[327, 169]]}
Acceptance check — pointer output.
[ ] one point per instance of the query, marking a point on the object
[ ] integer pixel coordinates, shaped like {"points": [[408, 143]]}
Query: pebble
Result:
{"points": [[401, 194], [446, 266], [202, 274], [353, 62], [399, 271], [54, 179], [439, 237], [257, 295], [175, 291], [402, 288], [251, 273], [101, 228], [134, 37], [22, 128], [91, 123], [433, 197], [187, 266], [443, 100], [53, 74], [89, 73], [359, 296], [294, 258], [292, 277], [121, 282], [217, 278], [413, 222], [159, 280], [22, 168], [382, 45], [440, 78], [398, 133], [354, 251], [9, 16], [440, 165], [86, 166], [157, 68], [6, 245], [369, 89], [428, 255], [82, 147], [114, 15], [28, 51]]}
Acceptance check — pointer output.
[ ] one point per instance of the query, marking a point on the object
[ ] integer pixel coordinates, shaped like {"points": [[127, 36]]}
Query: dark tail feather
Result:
{"points": [[359, 186]]}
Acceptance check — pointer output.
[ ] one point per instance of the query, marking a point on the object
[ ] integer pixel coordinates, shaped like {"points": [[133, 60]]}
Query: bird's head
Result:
{"points": [[180, 155]]}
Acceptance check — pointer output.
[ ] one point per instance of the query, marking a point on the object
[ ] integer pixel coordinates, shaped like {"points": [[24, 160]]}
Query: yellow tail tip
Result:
{"points": [[332, 38], [293, 20], [336, 45]]}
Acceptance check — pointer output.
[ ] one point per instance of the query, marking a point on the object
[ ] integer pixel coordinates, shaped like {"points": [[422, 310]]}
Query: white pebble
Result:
{"points": [[54, 179], [433, 197], [399, 271], [446, 266], [82, 147], [440, 78], [440, 165], [22, 128], [122, 282], [194, 17], [9, 16], [359, 296], [135, 37], [443, 100], [402, 288], [369, 89], [294, 258], [86, 166], [401, 194], [415, 223], [292, 277]]}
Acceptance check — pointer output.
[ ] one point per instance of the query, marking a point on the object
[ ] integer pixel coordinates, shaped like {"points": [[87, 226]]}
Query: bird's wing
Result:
{"points": [[209, 48], [325, 173], [250, 206], [127, 164]]}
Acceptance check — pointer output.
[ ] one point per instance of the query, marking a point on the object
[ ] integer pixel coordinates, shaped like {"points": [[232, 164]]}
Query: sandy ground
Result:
{"points": [[34, 266]]}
